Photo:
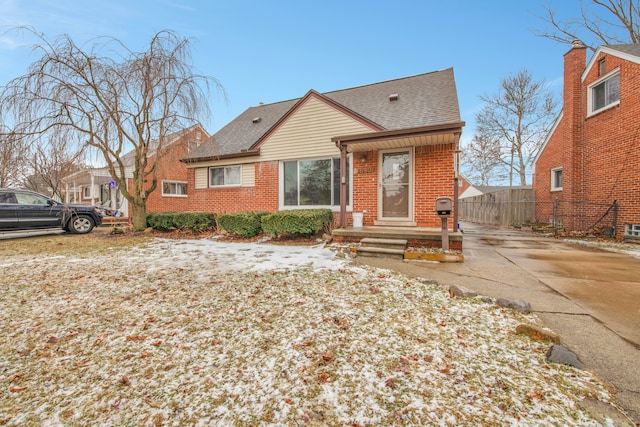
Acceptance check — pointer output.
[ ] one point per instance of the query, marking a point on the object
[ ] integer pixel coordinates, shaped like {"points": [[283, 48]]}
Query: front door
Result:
{"points": [[396, 185]]}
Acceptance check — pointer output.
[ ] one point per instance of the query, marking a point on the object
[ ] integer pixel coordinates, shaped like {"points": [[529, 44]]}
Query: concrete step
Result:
{"points": [[380, 252], [382, 248], [374, 242]]}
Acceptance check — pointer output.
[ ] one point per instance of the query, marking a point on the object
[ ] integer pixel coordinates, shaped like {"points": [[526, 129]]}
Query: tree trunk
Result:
{"points": [[139, 216]]}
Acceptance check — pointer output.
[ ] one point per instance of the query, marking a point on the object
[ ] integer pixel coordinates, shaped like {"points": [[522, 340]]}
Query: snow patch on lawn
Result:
{"points": [[202, 332]]}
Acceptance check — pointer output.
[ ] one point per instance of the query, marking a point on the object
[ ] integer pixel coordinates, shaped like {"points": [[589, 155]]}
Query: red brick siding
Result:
{"points": [[600, 155], [261, 197], [433, 178]]}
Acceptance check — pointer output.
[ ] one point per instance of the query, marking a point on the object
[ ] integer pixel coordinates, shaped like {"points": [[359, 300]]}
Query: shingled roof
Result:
{"points": [[422, 100], [630, 49]]}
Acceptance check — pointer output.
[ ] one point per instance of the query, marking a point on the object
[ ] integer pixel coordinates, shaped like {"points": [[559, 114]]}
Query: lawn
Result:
{"points": [[105, 330]]}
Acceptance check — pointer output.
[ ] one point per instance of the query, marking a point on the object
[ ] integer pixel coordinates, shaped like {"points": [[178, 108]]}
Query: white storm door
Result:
{"points": [[395, 185]]}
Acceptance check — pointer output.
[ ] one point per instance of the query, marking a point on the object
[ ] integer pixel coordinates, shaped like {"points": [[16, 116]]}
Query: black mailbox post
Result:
{"points": [[444, 207]]}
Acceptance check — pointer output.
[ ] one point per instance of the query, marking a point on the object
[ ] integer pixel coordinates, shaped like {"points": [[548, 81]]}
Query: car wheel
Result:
{"points": [[80, 224]]}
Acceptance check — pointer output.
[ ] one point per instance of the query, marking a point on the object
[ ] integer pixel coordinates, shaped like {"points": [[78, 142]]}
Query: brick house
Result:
{"points": [[591, 157], [386, 150], [96, 186]]}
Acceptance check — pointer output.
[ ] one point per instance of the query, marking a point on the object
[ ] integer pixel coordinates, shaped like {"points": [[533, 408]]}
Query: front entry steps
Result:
{"points": [[382, 248]]}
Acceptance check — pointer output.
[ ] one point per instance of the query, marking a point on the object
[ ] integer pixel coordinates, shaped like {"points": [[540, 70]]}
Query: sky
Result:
{"points": [[270, 51]]}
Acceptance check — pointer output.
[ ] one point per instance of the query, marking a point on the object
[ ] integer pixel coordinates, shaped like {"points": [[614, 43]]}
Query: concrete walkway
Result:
{"points": [[590, 297]]}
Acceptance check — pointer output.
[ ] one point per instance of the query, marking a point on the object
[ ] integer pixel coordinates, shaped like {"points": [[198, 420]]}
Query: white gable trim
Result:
{"points": [[604, 50], [546, 141]]}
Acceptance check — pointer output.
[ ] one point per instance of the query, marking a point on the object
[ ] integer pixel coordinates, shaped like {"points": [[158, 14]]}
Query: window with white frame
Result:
{"points": [[86, 192], [556, 179], [604, 93], [632, 230], [225, 176], [313, 183], [174, 188]]}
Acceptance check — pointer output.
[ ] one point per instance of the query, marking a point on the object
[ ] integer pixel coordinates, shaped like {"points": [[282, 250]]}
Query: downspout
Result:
{"points": [[456, 177], [343, 183]]}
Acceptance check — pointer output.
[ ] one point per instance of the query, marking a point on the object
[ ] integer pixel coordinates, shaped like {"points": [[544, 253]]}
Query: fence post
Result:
{"points": [[615, 217], [555, 217]]}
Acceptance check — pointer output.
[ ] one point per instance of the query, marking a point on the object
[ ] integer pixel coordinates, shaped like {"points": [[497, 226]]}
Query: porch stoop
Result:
{"points": [[384, 248]]}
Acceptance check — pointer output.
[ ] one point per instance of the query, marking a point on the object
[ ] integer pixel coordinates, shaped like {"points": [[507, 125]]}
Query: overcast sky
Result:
{"points": [[269, 51]]}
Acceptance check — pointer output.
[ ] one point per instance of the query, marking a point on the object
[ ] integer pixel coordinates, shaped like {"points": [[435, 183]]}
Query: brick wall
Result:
{"points": [[612, 146], [600, 155], [262, 197], [170, 168], [433, 178]]}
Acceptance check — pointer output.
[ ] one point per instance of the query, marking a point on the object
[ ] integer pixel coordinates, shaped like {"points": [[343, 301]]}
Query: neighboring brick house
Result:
{"points": [[97, 187], [387, 150], [591, 157]]}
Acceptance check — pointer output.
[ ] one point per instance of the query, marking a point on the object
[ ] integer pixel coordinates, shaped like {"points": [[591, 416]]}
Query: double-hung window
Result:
{"points": [[556, 179], [174, 188], [225, 176], [313, 183], [604, 93]]}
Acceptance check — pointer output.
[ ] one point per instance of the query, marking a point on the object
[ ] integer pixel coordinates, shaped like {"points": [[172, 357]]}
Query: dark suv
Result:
{"points": [[26, 210]]}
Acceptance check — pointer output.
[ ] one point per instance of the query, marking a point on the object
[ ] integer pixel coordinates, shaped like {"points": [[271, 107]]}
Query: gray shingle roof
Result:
{"points": [[631, 49], [423, 100]]}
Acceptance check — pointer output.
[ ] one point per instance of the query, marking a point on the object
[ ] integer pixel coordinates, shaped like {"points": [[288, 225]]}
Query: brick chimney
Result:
{"points": [[573, 110]]}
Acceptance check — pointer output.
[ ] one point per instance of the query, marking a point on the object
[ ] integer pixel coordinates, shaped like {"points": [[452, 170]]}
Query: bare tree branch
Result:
{"points": [[112, 101], [517, 118], [600, 22]]}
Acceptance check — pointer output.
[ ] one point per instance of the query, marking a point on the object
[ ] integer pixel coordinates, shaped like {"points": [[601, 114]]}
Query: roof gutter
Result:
{"points": [[242, 154], [454, 127]]}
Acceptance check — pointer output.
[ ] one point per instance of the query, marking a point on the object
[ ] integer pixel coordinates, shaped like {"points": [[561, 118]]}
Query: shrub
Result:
{"points": [[305, 222], [244, 224], [195, 221]]}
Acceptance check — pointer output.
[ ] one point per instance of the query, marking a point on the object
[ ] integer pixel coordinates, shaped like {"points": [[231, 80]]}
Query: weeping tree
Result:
{"points": [[598, 22], [519, 116], [110, 100]]}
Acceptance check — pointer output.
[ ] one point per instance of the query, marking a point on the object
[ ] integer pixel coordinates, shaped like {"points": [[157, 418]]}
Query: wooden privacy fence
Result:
{"points": [[509, 207]]}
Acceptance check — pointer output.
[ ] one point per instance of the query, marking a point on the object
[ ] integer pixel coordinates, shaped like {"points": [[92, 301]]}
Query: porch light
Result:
{"points": [[363, 158]]}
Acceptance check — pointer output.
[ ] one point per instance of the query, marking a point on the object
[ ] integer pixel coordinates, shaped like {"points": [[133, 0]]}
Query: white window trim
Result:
{"points": [[170, 181], [553, 180], [632, 231], [336, 208], [224, 185], [590, 111]]}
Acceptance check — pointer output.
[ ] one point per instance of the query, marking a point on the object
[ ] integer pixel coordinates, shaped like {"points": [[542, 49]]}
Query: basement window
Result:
{"points": [[604, 93], [632, 230]]}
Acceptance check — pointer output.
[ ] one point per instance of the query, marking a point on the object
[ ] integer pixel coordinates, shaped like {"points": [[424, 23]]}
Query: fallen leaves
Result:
{"points": [[169, 335]]}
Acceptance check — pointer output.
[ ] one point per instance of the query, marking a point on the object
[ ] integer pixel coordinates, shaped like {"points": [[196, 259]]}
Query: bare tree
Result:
{"points": [[482, 159], [49, 163], [600, 22], [113, 101], [519, 116], [13, 150]]}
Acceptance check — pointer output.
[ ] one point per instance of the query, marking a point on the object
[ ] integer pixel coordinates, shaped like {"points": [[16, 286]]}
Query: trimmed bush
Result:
{"points": [[244, 224], [307, 222], [195, 221]]}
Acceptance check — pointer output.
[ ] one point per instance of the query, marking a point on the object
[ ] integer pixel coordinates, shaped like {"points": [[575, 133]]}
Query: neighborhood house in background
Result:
{"points": [[588, 169], [97, 187]]}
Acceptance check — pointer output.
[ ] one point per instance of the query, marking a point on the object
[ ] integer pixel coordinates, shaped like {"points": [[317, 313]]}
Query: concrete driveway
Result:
{"points": [[588, 296]]}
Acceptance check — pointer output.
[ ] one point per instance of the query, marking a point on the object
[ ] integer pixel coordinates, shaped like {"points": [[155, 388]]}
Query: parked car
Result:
{"points": [[26, 210]]}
